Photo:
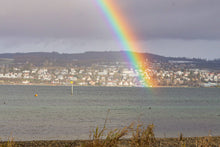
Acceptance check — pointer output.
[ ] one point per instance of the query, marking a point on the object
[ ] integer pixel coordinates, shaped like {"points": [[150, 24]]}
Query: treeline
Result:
{"points": [[89, 58]]}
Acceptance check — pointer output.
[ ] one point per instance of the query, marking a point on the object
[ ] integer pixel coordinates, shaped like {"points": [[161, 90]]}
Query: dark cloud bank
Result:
{"points": [[163, 26]]}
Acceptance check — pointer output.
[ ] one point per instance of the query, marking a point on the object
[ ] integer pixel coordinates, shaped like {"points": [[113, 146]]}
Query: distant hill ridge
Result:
{"points": [[39, 58]]}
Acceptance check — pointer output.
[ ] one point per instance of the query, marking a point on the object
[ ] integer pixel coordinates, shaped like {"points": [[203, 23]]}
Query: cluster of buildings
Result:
{"points": [[187, 77], [108, 75]]}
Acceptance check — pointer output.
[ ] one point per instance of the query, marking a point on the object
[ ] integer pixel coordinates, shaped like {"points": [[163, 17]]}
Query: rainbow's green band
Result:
{"points": [[126, 37]]}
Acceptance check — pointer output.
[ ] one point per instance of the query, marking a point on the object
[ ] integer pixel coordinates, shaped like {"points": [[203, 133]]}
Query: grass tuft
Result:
{"points": [[9, 143], [142, 136]]}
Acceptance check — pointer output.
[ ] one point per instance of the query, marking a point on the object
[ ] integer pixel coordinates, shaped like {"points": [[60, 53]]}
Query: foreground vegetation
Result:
{"points": [[133, 135], [129, 136]]}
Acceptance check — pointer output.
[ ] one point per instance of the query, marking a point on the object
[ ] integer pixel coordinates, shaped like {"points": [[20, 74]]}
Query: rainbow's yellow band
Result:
{"points": [[127, 39]]}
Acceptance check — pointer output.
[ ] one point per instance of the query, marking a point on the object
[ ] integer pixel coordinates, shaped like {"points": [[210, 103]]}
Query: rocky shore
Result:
{"points": [[159, 142]]}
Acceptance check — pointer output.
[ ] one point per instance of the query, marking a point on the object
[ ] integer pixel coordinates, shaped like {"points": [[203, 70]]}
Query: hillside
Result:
{"points": [[88, 58]]}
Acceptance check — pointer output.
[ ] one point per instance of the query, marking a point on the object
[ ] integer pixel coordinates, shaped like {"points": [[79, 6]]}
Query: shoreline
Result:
{"points": [[54, 85], [174, 142]]}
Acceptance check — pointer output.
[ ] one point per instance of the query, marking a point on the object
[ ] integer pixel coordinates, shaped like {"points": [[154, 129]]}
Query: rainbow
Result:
{"points": [[127, 39]]}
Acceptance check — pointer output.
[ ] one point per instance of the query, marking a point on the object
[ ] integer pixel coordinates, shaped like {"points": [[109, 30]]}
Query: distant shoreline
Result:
{"points": [[35, 84]]}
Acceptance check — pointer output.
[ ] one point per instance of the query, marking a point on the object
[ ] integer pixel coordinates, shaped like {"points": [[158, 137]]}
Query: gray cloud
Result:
{"points": [[50, 18], [188, 19], [79, 25]]}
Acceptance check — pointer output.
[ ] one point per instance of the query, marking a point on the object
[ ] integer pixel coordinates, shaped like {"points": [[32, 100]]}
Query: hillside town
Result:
{"points": [[117, 74]]}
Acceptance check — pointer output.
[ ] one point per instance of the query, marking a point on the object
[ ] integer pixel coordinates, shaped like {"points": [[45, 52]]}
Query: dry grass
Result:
{"points": [[99, 139], [206, 142], [139, 137], [9, 143], [142, 136]]}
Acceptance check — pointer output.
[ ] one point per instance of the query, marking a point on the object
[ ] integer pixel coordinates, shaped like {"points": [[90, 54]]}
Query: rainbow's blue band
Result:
{"points": [[126, 37]]}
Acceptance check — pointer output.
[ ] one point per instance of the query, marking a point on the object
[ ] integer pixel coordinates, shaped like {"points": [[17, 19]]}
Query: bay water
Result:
{"points": [[56, 114]]}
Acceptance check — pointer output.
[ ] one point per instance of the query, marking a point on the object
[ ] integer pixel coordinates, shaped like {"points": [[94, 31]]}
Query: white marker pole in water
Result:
{"points": [[72, 88]]}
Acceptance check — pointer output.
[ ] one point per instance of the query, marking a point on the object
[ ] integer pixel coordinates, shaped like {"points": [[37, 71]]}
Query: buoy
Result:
{"points": [[35, 95]]}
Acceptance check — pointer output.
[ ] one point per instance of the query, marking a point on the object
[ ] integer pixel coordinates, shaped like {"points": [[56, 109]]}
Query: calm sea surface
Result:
{"points": [[56, 114]]}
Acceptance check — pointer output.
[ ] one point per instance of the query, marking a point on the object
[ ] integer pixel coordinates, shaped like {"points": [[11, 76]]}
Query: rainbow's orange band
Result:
{"points": [[127, 39]]}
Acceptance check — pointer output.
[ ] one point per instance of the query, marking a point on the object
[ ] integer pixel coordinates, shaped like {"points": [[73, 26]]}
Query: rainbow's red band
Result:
{"points": [[127, 39]]}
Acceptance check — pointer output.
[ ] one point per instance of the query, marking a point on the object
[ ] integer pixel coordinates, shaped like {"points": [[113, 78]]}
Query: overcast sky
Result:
{"points": [[189, 28]]}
